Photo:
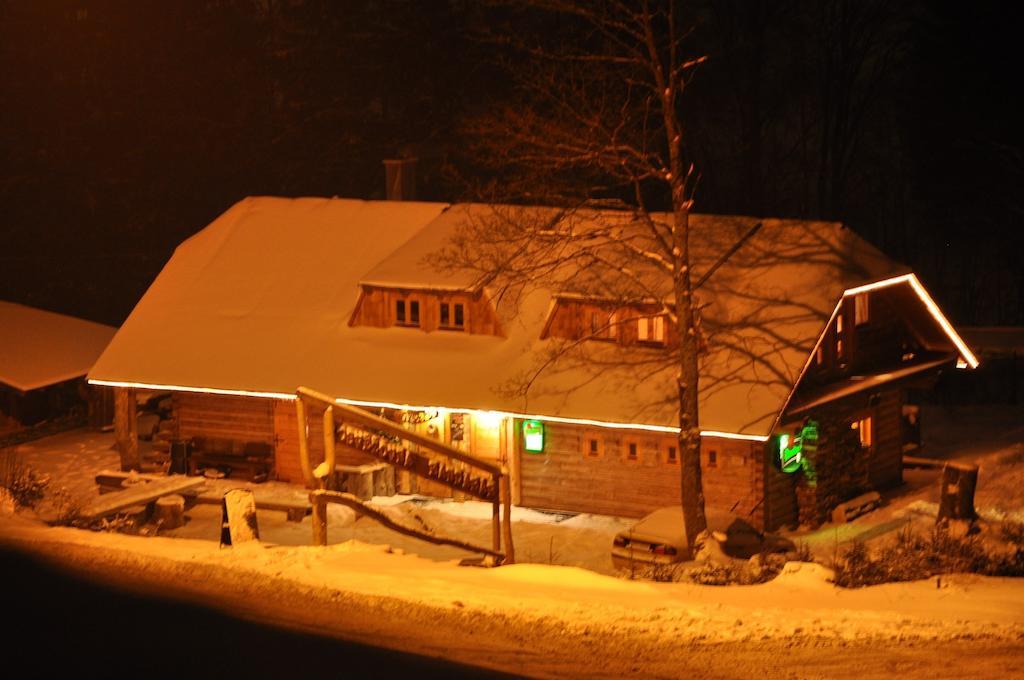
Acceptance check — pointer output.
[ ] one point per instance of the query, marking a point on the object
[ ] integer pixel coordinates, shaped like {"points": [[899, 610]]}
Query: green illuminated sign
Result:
{"points": [[533, 436], [793, 456]]}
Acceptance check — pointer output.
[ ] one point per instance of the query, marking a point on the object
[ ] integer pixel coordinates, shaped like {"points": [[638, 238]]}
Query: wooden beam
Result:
{"points": [[140, 494], [321, 497], [126, 428], [506, 495]]}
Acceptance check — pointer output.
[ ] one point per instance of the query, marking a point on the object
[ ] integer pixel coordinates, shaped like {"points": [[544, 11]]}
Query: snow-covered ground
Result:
{"points": [[545, 618]]}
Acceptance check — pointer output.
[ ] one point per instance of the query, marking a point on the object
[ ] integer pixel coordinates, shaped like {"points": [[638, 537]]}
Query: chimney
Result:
{"points": [[400, 179]]}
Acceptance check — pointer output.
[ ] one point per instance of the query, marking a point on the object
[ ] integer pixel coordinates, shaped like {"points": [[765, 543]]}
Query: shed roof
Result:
{"points": [[259, 303], [40, 348]]}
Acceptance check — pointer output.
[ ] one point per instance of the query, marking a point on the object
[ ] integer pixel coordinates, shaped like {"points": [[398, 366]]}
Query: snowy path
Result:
{"points": [[545, 620]]}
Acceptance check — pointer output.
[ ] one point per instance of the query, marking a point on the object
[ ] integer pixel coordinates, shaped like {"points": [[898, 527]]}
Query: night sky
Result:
{"points": [[127, 126]]}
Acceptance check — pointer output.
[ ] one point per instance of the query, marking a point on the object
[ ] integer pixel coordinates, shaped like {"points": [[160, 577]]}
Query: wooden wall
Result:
{"points": [[885, 465], [286, 456], [242, 419], [376, 308], [564, 478]]}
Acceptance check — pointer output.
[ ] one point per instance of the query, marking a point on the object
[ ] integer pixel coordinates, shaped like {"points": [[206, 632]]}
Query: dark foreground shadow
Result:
{"points": [[54, 622]]}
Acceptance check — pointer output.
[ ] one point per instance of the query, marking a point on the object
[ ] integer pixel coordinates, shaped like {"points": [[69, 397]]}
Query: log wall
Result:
{"points": [[241, 419], [566, 477]]}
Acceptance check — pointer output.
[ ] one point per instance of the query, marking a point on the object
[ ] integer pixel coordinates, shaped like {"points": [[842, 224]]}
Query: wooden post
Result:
{"points": [[300, 418], [126, 428], [496, 523], [328, 479], [506, 495], [956, 499], [319, 520]]}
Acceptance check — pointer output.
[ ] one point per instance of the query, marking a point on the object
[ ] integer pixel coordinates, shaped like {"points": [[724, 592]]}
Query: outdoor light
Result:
{"points": [[533, 436]]}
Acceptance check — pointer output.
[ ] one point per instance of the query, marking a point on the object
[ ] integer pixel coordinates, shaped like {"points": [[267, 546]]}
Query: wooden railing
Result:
{"points": [[395, 445]]}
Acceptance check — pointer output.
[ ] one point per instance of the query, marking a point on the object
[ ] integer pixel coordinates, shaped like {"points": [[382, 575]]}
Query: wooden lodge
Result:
{"points": [[811, 333]]}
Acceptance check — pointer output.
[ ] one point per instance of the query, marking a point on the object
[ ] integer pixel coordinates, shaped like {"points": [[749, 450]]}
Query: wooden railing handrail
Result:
{"points": [[345, 412]]}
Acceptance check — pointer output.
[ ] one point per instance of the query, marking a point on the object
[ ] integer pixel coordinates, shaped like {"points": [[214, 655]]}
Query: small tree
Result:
{"points": [[596, 125]]}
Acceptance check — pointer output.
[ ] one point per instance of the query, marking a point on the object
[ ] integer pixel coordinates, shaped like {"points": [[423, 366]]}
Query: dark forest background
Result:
{"points": [[127, 126]]}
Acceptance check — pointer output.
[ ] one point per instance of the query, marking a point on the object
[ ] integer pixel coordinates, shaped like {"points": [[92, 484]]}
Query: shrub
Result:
{"points": [[913, 555], [24, 484]]}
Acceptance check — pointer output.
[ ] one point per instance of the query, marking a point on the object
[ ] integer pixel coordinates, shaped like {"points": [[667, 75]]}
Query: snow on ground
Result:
{"points": [[554, 604]]}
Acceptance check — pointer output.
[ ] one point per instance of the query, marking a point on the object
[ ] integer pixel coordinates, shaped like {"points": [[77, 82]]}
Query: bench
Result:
{"points": [[855, 507], [365, 481], [249, 460]]}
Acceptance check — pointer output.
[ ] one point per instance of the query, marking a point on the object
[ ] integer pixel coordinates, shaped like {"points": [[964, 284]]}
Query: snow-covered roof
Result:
{"points": [[259, 302], [40, 348]]}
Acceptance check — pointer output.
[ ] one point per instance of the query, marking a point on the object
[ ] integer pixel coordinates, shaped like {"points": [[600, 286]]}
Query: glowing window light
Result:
{"points": [[533, 436]]}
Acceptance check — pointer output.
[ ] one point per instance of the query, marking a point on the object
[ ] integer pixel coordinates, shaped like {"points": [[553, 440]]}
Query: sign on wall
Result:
{"points": [[533, 436], [793, 451]]}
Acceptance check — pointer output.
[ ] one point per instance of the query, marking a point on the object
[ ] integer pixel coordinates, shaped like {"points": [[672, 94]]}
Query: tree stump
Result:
{"points": [[169, 511], [238, 518], [956, 500]]}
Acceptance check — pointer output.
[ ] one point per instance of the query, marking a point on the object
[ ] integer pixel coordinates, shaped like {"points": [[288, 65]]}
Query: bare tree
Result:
{"points": [[596, 126]]}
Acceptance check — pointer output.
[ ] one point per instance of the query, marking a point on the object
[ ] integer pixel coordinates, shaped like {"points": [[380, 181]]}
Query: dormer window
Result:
{"points": [[453, 316], [407, 312], [651, 329]]}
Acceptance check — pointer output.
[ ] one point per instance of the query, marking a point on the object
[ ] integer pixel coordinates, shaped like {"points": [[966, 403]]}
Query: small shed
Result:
{"points": [[44, 357]]}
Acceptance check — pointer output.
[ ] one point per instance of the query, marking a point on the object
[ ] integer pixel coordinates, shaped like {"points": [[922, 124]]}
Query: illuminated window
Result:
{"points": [[453, 316], [819, 356], [407, 313], [651, 329], [839, 335], [860, 309], [864, 428]]}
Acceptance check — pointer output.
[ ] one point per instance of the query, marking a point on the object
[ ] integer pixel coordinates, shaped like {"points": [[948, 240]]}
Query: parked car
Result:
{"points": [[659, 539]]}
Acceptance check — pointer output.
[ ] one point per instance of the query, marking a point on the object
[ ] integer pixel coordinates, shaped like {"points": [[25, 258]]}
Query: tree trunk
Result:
{"points": [[956, 500], [691, 486], [125, 428]]}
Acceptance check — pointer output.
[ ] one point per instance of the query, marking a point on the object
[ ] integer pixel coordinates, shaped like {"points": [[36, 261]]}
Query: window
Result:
{"points": [[407, 313], [632, 452], [651, 329], [860, 309], [457, 426], [593, 445], [453, 316], [864, 428], [671, 454], [839, 335], [712, 458], [819, 356], [602, 324]]}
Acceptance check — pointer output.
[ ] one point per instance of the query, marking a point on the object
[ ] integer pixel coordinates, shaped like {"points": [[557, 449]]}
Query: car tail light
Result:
{"points": [[621, 541], [663, 550]]}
